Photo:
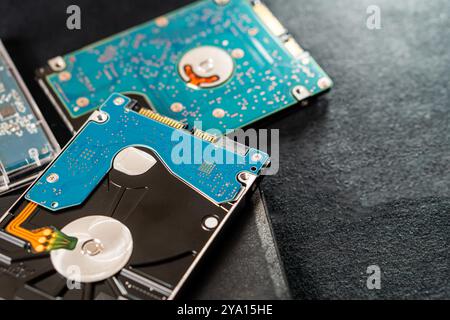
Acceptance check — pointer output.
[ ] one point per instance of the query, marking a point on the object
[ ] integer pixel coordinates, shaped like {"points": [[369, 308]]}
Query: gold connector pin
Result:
{"points": [[157, 117], [205, 136]]}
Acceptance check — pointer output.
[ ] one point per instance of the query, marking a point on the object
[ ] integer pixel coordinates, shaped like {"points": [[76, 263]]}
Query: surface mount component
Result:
{"points": [[224, 63], [127, 210], [26, 142]]}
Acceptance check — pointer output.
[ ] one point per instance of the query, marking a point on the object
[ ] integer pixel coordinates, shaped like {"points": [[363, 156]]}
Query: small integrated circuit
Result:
{"points": [[215, 64], [26, 142]]}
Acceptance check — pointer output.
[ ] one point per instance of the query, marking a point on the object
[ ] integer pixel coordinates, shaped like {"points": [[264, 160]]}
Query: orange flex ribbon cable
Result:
{"points": [[42, 239], [196, 80]]}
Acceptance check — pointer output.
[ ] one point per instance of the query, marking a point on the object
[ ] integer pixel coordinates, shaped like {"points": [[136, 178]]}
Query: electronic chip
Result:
{"points": [[225, 64]]}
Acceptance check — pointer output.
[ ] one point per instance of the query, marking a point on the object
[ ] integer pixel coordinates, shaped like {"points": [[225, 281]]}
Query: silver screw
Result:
{"points": [[92, 247], [119, 101], [324, 83], [210, 223], [244, 176], [102, 117], [52, 178], [57, 64]]}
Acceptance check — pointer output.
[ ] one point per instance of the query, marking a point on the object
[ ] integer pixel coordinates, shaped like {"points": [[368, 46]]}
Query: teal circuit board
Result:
{"points": [[215, 64], [26, 143], [210, 168]]}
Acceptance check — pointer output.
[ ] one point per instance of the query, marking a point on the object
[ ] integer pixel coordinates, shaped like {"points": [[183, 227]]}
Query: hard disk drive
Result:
{"points": [[127, 210], [225, 64]]}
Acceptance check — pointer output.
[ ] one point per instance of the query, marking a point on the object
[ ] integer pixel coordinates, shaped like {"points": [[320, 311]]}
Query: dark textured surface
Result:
{"points": [[364, 170], [365, 173]]}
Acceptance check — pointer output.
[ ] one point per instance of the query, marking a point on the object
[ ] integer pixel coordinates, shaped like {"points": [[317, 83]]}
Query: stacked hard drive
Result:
{"points": [[151, 187]]}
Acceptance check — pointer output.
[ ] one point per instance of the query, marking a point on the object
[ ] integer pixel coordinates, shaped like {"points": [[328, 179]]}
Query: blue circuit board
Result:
{"points": [[268, 71], [24, 142], [89, 157]]}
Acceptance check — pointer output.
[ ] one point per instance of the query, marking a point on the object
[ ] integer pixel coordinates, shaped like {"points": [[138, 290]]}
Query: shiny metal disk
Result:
{"points": [[207, 62], [133, 162], [104, 247]]}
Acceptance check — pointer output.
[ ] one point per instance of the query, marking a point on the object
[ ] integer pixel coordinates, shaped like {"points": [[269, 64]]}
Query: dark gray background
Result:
{"points": [[364, 173]]}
